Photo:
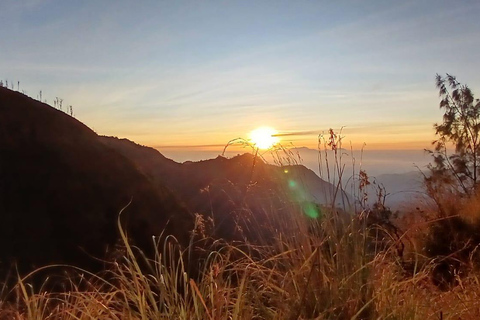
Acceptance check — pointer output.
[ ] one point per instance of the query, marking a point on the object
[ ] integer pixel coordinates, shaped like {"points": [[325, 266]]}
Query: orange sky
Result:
{"points": [[189, 73]]}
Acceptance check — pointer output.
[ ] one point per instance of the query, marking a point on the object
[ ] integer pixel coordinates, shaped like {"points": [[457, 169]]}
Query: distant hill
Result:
{"points": [[61, 190], [374, 162], [229, 191], [398, 171]]}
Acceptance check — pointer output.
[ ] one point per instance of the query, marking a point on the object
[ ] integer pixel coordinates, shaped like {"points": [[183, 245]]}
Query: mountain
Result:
{"points": [[61, 190], [62, 187], [233, 193]]}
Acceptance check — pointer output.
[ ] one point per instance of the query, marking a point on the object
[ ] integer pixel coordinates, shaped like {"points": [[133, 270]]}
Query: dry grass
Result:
{"points": [[326, 268]]}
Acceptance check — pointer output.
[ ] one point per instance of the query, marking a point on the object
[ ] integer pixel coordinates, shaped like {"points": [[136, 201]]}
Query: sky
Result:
{"points": [[189, 75]]}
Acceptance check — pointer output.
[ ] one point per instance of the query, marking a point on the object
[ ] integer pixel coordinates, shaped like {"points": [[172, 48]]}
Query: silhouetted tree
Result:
{"points": [[456, 154]]}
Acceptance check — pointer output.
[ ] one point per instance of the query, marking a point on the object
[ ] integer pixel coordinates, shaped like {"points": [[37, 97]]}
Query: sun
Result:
{"points": [[264, 137]]}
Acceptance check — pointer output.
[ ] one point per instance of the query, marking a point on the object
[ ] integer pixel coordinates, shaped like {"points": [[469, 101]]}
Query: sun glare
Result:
{"points": [[264, 137]]}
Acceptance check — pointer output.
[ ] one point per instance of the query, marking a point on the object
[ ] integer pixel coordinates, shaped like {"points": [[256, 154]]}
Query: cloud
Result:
{"points": [[186, 146], [296, 133]]}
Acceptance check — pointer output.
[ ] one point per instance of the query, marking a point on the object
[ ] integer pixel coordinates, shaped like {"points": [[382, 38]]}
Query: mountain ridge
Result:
{"points": [[221, 186], [62, 187], [61, 190]]}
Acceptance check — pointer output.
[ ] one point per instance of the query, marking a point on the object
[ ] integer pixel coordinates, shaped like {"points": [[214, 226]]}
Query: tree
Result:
{"points": [[456, 154]]}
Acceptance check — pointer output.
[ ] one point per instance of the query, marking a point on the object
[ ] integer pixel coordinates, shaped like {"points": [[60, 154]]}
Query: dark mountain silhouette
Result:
{"points": [[234, 193], [61, 190], [62, 187]]}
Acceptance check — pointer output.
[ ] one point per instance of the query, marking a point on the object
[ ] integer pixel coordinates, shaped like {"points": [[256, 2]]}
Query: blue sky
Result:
{"points": [[182, 73]]}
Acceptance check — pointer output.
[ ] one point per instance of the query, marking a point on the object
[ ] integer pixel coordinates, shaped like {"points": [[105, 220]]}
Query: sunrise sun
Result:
{"points": [[264, 137]]}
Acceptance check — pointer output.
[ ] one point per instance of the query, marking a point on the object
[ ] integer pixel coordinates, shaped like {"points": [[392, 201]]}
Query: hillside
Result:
{"points": [[61, 190], [229, 191]]}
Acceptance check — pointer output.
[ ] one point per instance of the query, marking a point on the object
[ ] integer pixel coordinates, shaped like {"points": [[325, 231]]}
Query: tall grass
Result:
{"points": [[339, 266], [325, 273]]}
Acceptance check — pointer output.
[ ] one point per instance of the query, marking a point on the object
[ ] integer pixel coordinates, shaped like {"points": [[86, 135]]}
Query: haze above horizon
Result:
{"points": [[183, 74]]}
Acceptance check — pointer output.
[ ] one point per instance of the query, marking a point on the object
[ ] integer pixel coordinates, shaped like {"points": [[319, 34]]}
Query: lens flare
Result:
{"points": [[298, 192]]}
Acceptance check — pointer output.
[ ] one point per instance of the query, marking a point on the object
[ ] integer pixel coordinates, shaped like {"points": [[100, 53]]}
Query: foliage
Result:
{"points": [[451, 239], [461, 127]]}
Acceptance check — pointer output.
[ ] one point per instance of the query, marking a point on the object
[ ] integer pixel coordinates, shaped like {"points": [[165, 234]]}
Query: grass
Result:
{"points": [[339, 266], [326, 273], [332, 278]]}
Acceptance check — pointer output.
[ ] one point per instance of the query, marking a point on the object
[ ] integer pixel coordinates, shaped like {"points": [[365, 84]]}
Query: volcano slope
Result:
{"points": [[61, 191]]}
